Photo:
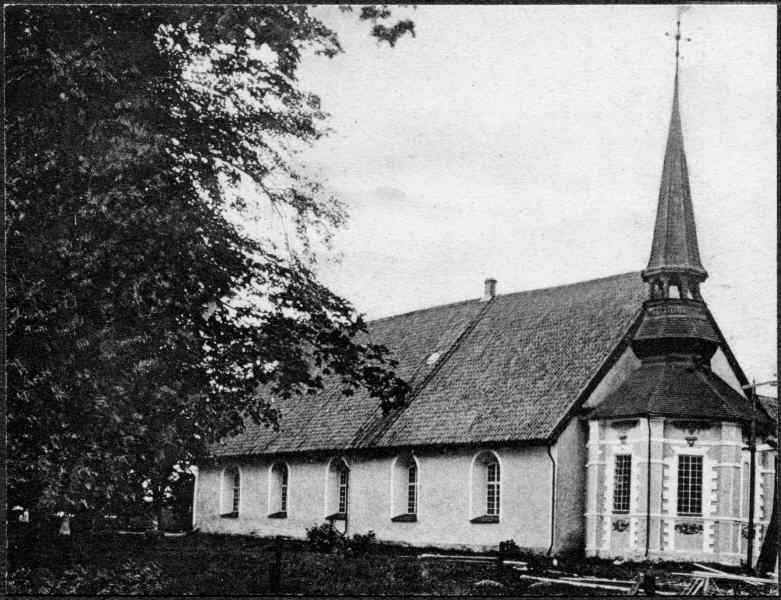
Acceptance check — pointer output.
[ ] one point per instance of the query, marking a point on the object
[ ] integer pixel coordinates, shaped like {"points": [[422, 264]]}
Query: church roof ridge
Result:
{"points": [[552, 288]]}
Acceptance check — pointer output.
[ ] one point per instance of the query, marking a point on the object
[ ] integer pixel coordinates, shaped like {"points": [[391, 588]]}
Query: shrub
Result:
{"points": [[509, 549], [324, 538], [362, 543]]}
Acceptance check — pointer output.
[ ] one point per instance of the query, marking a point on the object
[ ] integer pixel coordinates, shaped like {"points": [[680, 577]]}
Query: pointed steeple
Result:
{"points": [[675, 255]]}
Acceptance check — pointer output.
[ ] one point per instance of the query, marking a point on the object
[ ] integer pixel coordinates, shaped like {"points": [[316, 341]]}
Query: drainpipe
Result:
{"points": [[752, 479], [196, 473], [648, 492], [347, 503], [552, 500]]}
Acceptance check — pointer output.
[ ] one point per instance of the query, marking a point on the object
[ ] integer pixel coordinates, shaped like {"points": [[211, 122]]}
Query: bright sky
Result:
{"points": [[525, 143]]}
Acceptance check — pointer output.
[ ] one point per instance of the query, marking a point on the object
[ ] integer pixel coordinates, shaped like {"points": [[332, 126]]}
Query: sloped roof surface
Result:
{"points": [[508, 369], [770, 405], [672, 318], [674, 389]]}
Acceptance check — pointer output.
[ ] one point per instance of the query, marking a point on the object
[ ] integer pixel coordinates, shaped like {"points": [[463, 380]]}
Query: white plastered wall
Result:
{"points": [[444, 511]]}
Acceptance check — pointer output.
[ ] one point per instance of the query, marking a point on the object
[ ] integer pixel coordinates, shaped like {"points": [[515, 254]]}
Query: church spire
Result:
{"points": [[675, 256]]}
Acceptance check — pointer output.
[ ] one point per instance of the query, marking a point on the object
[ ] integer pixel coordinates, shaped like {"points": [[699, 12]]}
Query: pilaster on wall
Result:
{"points": [[726, 538], [593, 466], [655, 464]]}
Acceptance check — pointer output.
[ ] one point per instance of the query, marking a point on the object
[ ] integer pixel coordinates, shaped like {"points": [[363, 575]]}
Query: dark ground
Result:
{"points": [[202, 564]]}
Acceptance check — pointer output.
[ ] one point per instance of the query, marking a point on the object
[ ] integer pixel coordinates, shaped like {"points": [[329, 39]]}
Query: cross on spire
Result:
{"points": [[677, 36]]}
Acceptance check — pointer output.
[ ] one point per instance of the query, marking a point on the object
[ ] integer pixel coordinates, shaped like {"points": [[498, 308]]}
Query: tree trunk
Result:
{"points": [[157, 520], [65, 525], [157, 508]]}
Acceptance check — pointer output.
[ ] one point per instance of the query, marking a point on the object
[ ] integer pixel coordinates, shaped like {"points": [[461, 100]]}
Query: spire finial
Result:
{"points": [[681, 9]]}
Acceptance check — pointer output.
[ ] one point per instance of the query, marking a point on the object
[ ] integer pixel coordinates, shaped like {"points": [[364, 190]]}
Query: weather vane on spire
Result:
{"points": [[681, 10]]}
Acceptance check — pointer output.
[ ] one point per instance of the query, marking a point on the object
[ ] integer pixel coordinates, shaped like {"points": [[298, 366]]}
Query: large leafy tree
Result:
{"points": [[143, 322]]}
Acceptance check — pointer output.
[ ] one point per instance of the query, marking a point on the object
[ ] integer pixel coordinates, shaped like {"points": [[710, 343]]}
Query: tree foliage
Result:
{"points": [[143, 323]]}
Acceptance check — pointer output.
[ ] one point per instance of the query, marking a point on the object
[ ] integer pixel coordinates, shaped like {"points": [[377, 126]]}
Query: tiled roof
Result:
{"points": [[508, 370], [770, 405], [675, 389], [673, 318]]}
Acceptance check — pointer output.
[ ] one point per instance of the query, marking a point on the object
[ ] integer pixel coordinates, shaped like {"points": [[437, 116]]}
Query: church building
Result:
{"points": [[607, 416]]}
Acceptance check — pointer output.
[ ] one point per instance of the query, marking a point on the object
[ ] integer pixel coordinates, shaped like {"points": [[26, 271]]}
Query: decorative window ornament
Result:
{"points": [[623, 426], [620, 525], [692, 427], [688, 528], [757, 530], [690, 439]]}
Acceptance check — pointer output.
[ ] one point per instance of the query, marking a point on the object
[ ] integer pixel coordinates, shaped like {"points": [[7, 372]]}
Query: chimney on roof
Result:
{"points": [[490, 290]]}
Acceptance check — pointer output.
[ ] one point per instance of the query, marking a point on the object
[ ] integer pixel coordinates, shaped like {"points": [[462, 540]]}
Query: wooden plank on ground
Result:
{"points": [[470, 557], [745, 578], [711, 569], [578, 584], [600, 580]]}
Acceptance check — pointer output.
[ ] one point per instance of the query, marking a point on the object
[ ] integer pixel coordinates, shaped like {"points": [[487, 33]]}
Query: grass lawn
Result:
{"points": [[236, 565], [211, 564]]}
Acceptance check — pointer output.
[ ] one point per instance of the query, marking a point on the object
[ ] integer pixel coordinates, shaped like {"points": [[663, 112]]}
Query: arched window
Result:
{"points": [[404, 489], [231, 492], [278, 486], [337, 490], [486, 488]]}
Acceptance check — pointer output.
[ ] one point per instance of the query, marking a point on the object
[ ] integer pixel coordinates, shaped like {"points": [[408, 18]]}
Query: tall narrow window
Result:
{"points": [[236, 491], [283, 490], [344, 481], [405, 478], [486, 491], [622, 484], [277, 499], [231, 490], [337, 490], [412, 490], [689, 485], [493, 483]]}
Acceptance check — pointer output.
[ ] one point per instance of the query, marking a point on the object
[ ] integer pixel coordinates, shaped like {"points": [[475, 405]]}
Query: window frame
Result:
{"points": [[412, 489], [230, 492], [689, 472], [343, 488], [493, 488], [236, 500], [278, 490], [622, 486], [485, 487], [283, 483]]}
